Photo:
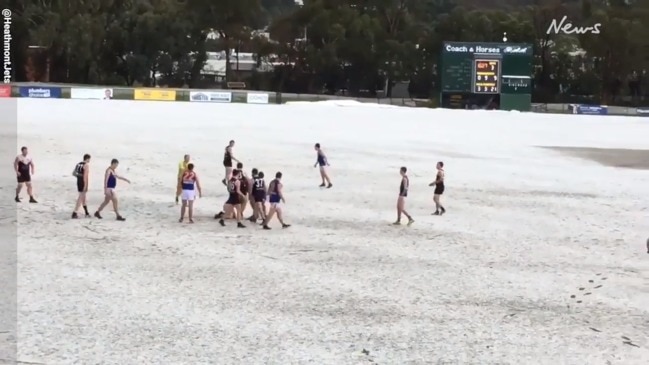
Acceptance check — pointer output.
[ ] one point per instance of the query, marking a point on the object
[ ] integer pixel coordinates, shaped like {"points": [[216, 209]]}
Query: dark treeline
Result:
{"points": [[359, 47]]}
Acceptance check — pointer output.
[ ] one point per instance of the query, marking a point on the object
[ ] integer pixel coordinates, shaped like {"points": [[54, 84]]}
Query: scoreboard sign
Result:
{"points": [[486, 76]]}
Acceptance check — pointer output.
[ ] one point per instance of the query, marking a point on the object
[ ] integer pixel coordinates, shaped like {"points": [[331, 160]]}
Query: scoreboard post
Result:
{"points": [[486, 75]]}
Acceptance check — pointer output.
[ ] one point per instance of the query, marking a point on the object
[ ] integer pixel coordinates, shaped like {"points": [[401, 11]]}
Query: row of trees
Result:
{"points": [[332, 45]]}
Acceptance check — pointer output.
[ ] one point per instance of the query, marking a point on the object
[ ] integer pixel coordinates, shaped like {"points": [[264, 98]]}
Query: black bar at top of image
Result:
{"points": [[8, 232]]}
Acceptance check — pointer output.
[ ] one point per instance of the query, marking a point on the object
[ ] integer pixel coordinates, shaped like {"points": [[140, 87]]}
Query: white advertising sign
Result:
{"points": [[98, 94], [210, 96], [257, 98]]}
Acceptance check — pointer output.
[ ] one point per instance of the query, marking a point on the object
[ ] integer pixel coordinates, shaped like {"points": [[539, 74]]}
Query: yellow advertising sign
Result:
{"points": [[154, 94]]}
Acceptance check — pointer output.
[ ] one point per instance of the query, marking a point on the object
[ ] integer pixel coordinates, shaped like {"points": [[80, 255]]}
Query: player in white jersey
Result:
{"points": [[189, 182]]}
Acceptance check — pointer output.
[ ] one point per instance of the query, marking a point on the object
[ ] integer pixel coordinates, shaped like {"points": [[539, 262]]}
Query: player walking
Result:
{"points": [[439, 189], [24, 168], [82, 173], [275, 198], [403, 194], [110, 183], [321, 160], [259, 196]]}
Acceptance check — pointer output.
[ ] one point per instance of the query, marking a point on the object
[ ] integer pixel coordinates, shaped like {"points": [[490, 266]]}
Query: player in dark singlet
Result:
{"points": [[275, 198], [110, 183], [24, 169], [439, 189], [233, 204], [259, 196], [251, 197], [82, 173], [228, 157], [403, 194], [244, 185], [321, 160]]}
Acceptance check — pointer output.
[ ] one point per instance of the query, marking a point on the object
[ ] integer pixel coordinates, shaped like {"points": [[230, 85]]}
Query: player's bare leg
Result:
{"points": [[280, 218], [227, 211], [325, 177], [401, 210], [116, 208], [81, 202], [178, 192], [19, 189], [439, 209], [228, 175], [271, 213], [255, 210], [190, 208], [110, 198], [30, 192], [244, 204], [183, 208]]}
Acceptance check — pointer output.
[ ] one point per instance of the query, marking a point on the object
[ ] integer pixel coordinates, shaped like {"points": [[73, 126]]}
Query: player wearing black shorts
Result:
{"points": [[403, 194], [82, 173], [233, 204], [251, 198], [259, 197], [228, 157], [24, 169], [439, 189], [244, 185]]}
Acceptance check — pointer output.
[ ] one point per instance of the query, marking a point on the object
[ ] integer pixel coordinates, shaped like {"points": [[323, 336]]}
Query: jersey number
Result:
{"points": [[259, 184]]}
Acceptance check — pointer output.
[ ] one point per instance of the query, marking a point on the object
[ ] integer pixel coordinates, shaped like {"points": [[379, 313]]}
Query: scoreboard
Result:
{"points": [[486, 76], [481, 75]]}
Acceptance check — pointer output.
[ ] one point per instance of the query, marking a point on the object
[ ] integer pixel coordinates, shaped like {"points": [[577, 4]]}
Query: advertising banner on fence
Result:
{"points": [[99, 94], [643, 112], [257, 98], [589, 109], [154, 94], [210, 96], [5, 91], [40, 92]]}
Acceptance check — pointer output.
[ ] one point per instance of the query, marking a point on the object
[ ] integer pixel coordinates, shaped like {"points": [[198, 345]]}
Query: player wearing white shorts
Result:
{"points": [[275, 198], [190, 183], [110, 183]]}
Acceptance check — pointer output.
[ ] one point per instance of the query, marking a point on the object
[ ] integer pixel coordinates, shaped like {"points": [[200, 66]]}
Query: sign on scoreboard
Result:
{"points": [[486, 76], [483, 75]]}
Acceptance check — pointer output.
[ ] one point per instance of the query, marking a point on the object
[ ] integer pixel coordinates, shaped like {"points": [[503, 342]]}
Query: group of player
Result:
{"points": [[405, 186], [243, 190], [24, 168], [82, 173]]}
